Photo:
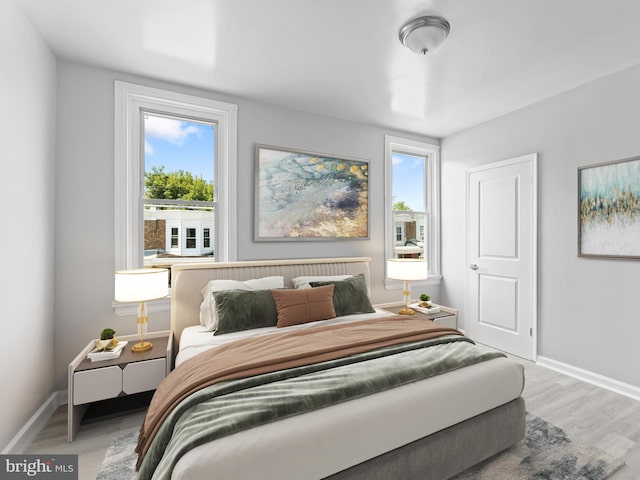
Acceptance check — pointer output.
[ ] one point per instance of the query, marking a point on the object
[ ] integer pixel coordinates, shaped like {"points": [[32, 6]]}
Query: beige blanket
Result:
{"points": [[269, 353]]}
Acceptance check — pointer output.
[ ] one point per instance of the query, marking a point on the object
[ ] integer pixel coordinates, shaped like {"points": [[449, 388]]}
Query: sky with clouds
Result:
{"points": [[179, 145], [408, 180]]}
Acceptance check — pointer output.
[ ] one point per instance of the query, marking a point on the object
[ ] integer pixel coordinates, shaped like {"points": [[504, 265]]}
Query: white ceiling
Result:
{"points": [[342, 58]]}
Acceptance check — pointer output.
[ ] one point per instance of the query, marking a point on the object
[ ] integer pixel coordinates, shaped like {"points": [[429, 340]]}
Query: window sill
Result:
{"points": [[161, 305], [399, 284]]}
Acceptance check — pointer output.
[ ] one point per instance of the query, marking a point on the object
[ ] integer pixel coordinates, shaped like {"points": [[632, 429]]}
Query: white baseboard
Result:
{"points": [[36, 423], [593, 378]]}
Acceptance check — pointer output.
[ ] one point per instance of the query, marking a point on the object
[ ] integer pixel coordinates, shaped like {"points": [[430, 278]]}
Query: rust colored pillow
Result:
{"points": [[304, 305]]}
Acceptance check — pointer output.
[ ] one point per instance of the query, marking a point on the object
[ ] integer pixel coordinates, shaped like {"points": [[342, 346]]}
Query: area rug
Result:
{"points": [[546, 453]]}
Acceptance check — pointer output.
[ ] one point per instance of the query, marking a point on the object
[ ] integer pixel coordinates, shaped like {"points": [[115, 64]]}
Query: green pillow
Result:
{"points": [[349, 295], [244, 309]]}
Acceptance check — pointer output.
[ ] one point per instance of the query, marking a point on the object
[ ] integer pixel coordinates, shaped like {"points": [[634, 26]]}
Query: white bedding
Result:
{"points": [[197, 339], [317, 444]]}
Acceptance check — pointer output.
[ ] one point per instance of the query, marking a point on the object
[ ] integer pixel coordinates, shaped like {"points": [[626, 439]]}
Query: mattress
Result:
{"points": [[317, 444]]}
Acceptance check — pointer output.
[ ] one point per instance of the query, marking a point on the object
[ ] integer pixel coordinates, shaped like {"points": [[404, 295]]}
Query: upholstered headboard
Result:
{"points": [[188, 279]]}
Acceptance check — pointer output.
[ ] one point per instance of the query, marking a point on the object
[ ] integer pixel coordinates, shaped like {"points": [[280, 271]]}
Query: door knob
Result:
{"points": [[473, 266]]}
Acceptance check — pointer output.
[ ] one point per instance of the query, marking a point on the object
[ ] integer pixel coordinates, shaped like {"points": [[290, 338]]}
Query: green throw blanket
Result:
{"points": [[232, 406]]}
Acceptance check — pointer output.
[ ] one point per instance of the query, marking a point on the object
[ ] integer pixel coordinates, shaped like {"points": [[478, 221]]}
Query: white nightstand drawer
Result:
{"points": [[143, 376], [97, 384], [130, 373]]}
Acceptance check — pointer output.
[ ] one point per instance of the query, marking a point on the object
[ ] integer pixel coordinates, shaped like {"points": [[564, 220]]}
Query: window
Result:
{"points": [[141, 113], [399, 234], [206, 236], [174, 237], [412, 207], [191, 238]]}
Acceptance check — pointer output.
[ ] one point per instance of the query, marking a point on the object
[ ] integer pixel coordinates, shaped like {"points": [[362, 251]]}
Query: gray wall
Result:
{"points": [[587, 308], [27, 135], [85, 202]]}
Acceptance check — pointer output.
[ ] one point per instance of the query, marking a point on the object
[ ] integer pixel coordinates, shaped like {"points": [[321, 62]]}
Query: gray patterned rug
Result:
{"points": [[546, 453]]}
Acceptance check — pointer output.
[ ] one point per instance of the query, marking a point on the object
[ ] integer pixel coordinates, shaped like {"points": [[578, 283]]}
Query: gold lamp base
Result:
{"points": [[407, 311], [142, 347]]}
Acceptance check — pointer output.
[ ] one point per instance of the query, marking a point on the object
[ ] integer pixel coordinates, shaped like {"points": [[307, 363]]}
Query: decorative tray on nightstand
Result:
{"points": [[416, 306]]}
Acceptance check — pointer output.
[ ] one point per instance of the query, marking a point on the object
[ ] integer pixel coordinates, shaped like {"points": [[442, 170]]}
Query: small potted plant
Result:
{"points": [[425, 301], [108, 339]]}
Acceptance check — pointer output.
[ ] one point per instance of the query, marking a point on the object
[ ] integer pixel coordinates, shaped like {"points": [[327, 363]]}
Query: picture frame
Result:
{"points": [[609, 209], [304, 195]]}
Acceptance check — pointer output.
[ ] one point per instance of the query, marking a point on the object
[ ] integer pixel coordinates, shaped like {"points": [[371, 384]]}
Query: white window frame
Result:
{"points": [[396, 240], [176, 237], [431, 152], [130, 101], [188, 237]]}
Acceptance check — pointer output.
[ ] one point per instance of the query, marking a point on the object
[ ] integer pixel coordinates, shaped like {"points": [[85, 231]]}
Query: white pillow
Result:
{"points": [[208, 318], [303, 282]]}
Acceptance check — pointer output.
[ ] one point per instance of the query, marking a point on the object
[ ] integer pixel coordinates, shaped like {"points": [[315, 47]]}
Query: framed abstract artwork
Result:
{"points": [[303, 195], [609, 209]]}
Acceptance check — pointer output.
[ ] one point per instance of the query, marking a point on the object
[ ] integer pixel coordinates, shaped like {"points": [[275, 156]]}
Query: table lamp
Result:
{"points": [[407, 269], [141, 285]]}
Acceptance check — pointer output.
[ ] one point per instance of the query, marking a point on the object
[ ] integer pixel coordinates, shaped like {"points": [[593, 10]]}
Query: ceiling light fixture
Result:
{"points": [[424, 34]]}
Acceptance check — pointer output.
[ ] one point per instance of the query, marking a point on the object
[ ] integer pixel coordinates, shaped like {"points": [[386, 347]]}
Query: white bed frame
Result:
{"points": [[436, 456]]}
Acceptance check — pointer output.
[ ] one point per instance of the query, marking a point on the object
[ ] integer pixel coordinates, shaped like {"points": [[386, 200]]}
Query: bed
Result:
{"points": [[430, 428]]}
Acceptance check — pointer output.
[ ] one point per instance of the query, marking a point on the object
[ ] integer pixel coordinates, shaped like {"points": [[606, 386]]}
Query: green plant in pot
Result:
{"points": [[108, 339], [425, 301]]}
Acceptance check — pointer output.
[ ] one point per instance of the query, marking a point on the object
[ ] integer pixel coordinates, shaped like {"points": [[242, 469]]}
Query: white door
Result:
{"points": [[501, 253]]}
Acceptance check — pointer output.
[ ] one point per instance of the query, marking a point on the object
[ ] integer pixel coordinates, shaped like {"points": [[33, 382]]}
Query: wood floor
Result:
{"points": [[587, 413]]}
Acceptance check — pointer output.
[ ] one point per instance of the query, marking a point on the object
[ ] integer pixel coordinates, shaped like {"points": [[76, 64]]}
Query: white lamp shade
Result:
{"points": [[141, 284], [407, 269]]}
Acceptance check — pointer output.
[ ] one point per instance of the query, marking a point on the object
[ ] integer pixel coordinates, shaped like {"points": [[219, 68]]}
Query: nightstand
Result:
{"points": [[447, 316], [128, 374]]}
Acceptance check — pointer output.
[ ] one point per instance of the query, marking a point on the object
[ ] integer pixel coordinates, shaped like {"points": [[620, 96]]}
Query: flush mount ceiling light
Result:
{"points": [[424, 34]]}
